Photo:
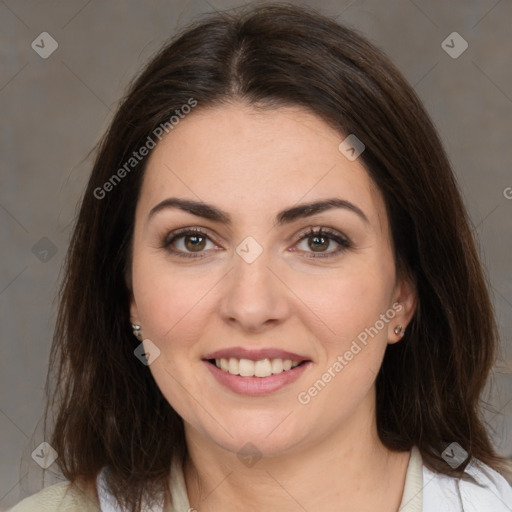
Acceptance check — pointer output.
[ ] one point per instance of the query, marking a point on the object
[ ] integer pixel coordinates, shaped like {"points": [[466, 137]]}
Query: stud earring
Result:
{"points": [[137, 331], [398, 329]]}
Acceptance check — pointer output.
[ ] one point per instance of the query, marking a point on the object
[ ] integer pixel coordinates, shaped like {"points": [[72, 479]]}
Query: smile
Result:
{"points": [[255, 371], [261, 368]]}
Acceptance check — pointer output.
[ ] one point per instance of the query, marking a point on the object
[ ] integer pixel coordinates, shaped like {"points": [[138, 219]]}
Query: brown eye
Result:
{"points": [[189, 243], [318, 241], [194, 242]]}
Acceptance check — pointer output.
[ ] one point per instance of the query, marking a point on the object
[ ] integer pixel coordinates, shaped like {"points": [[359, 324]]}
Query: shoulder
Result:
{"points": [[61, 497], [484, 489]]}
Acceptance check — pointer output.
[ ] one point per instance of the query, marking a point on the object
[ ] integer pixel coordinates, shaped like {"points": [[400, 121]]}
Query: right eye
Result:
{"points": [[187, 242]]}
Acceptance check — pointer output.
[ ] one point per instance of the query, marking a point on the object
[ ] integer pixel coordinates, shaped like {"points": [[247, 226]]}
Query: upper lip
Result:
{"points": [[255, 354]]}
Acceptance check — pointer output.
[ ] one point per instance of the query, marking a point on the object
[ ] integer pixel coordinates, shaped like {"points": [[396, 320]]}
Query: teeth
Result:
{"points": [[246, 368], [261, 368], [277, 365], [234, 366]]}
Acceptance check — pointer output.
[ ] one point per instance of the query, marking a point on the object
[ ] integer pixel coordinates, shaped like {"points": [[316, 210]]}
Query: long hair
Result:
{"points": [[109, 410]]}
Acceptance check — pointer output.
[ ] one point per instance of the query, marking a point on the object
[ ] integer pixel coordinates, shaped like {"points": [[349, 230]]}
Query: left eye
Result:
{"points": [[320, 240]]}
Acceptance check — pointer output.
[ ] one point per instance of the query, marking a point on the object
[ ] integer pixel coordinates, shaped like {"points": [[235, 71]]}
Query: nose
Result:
{"points": [[255, 298]]}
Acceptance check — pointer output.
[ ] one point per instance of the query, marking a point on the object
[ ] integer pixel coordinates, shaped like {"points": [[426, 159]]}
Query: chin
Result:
{"points": [[261, 442]]}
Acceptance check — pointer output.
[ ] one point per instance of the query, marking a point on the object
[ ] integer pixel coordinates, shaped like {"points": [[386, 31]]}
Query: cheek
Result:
{"points": [[352, 341], [347, 302], [170, 306], [168, 301]]}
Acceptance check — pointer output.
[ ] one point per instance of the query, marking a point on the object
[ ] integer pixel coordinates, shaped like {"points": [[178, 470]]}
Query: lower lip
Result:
{"points": [[256, 386]]}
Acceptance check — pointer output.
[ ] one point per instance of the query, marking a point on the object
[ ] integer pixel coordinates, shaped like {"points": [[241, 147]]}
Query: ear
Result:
{"points": [[134, 310], [404, 303]]}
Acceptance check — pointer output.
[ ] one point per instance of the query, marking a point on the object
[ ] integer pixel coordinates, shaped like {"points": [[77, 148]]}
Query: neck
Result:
{"points": [[348, 470]]}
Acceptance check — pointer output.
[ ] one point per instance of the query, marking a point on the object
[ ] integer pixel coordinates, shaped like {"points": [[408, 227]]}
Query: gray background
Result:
{"points": [[54, 110]]}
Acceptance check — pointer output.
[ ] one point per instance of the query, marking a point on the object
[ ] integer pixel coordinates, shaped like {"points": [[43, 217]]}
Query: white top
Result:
{"points": [[424, 491]]}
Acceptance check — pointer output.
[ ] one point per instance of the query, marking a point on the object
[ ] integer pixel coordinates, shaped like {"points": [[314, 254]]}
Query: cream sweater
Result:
{"points": [[424, 491]]}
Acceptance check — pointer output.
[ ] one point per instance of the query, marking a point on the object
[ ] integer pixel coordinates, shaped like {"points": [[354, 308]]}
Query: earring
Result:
{"points": [[137, 331], [398, 329]]}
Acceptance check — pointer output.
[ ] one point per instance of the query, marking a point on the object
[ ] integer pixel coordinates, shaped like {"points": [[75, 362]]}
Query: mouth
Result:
{"points": [[256, 372], [260, 368], [260, 363]]}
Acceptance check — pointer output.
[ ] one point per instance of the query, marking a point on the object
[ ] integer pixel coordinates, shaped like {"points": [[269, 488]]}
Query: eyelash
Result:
{"points": [[344, 243]]}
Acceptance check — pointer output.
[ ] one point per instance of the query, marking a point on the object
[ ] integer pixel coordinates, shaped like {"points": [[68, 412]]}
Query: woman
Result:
{"points": [[272, 298]]}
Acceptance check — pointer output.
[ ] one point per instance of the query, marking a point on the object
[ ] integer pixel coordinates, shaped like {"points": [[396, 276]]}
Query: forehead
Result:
{"points": [[249, 160]]}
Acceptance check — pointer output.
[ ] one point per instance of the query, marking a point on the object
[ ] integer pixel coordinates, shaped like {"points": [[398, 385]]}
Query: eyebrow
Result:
{"points": [[210, 212]]}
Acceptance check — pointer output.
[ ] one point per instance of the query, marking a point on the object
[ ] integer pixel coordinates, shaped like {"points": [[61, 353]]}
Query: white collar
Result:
{"points": [[108, 502], [424, 490]]}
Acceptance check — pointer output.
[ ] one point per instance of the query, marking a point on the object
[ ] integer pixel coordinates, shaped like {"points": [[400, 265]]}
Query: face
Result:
{"points": [[258, 282]]}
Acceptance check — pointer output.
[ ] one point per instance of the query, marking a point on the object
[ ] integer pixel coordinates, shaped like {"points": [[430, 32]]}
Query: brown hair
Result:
{"points": [[109, 410]]}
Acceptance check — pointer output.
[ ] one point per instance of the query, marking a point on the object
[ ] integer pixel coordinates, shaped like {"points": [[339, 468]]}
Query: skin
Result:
{"points": [[325, 455]]}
